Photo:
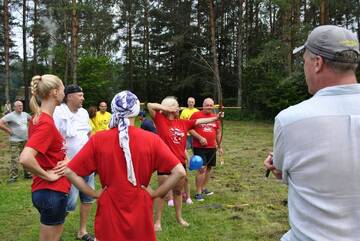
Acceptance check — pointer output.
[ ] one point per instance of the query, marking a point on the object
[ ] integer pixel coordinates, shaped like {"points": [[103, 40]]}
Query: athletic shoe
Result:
{"points": [[189, 201], [207, 192], [199, 197], [171, 203]]}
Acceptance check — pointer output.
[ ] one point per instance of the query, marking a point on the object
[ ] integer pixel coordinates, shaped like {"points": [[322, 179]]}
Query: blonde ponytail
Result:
{"points": [[34, 106], [40, 89]]}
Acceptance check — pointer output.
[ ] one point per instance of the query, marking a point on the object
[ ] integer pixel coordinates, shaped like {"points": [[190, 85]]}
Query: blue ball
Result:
{"points": [[196, 162]]}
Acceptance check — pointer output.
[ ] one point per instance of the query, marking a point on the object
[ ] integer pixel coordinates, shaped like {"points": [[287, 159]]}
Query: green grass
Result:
{"points": [[246, 205]]}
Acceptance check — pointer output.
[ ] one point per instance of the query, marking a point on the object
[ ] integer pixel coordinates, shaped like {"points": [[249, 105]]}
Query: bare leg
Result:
{"points": [[50, 233], [178, 202], [207, 177], [159, 205], [85, 209], [170, 198], [188, 153], [187, 189], [200, 180]]}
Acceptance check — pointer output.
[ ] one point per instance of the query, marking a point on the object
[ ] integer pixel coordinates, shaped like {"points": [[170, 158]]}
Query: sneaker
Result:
{"points": [[171, 203], [199, 197], [207, 192], [189, 201]]}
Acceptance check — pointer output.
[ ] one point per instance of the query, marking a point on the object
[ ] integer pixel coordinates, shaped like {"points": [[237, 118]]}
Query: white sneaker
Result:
{"points": [[189, 201], [171, 203]]}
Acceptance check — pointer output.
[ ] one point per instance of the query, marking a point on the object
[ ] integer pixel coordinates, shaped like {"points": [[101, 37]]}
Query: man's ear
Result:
{"points": [[319, 63]]}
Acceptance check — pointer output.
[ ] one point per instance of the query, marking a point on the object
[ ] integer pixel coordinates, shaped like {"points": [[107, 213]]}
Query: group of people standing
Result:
{"points": [[316, 152], [62, 154]]}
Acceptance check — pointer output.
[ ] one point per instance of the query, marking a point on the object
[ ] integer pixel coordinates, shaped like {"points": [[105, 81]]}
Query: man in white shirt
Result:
{"points": [[317, 142], [16, 125], [73, 123]]}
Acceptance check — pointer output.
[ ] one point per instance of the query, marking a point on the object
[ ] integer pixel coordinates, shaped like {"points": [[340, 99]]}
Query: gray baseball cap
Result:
{"points": [[329, 41]]}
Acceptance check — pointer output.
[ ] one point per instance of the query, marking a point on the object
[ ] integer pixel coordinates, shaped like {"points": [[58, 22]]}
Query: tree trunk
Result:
{"points": [[7, 50], [214, 52], [358, 20], [66, 71], [130, 50], [146, 46], [324, 12], [74, 41], [239, 53], [25, 77], [294, 26], [35, 37], [222, 53]]}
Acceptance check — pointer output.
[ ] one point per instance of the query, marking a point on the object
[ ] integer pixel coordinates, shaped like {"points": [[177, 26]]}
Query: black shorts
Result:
{"points": [[168, 173], [208, 155]]}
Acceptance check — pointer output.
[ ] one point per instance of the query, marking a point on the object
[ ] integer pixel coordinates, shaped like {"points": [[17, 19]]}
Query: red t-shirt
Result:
{"points": [[208, 131], [173, 132], [124, 212], [48, 142]]}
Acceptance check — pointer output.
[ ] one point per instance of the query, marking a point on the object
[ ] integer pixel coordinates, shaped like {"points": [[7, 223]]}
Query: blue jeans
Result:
{"points": [[74, 194], [51, 206]]}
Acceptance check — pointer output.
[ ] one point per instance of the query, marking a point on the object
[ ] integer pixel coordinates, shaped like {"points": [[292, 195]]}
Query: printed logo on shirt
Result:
{"points": [[176, 135], [209, 127]]}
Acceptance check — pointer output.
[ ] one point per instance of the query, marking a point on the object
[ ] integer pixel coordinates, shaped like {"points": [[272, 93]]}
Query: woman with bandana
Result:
{"points": [[124, 158], [174, 133]]}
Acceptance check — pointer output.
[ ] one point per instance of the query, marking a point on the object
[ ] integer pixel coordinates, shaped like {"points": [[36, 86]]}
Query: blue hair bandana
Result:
{"points": [[124, 105]]}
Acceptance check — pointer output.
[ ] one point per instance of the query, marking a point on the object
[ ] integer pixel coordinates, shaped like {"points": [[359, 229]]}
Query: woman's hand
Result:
{"points": [[60, 166]]}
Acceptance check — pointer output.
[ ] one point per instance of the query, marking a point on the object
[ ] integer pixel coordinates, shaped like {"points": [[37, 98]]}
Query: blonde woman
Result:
{"points": [[44, 156], [173, 131]]}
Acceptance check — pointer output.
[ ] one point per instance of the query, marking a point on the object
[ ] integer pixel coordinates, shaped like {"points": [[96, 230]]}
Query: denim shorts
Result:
{"points": [[74, 194], [51, 206]]}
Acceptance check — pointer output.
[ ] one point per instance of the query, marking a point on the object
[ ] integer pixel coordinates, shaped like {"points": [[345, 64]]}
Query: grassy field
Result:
{"points": [[246, 205]]}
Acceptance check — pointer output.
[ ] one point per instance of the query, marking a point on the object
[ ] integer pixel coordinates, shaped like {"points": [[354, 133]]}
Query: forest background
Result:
{"points": [[237, 51]]}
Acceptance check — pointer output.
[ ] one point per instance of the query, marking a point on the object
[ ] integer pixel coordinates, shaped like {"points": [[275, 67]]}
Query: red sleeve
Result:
{"points": [[190, 124], [41, 136], [84, 162], [165, 160], [159, 117], [195, 115]]}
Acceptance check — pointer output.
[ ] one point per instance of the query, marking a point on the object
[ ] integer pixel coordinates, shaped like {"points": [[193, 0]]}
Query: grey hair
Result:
{"points": [[341, 67]]}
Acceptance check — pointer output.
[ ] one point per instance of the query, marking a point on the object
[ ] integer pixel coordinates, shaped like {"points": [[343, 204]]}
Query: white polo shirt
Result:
{"points": [[317, 147], [74, 127]]}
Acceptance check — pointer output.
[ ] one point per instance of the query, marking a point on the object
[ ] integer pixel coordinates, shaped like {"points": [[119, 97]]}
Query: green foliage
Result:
{"points": [[96, 79], [267, 86]]}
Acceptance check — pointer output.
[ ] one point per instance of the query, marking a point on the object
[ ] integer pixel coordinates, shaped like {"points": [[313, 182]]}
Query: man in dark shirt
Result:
{"points": [[146, 124]]}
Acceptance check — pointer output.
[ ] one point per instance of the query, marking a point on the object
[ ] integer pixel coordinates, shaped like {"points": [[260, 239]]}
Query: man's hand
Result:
{"points": [[268, 163], [221, 115], [220, 150], [203, 141]]}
